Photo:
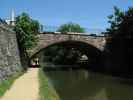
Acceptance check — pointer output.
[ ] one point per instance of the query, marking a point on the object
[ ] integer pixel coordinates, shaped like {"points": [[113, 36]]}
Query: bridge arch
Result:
{"points": [[87, 49], [46, 40]]}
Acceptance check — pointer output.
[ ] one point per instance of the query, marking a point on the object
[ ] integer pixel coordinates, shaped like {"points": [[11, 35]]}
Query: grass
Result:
{"points": [[46, 92], [7, 83]]}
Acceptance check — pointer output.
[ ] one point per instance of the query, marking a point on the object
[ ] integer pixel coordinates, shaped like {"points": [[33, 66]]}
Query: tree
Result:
{"points": [[121, 23], [71, 27], [62, 54], [114, 19], [121, 33], [26, 29]]}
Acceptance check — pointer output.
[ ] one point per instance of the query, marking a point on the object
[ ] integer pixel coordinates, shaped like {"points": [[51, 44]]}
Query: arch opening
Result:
{"points": [[74, 53]]}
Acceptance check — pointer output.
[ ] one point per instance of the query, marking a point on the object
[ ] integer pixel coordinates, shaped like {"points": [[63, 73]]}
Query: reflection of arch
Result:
{"points": [[85, 48]]}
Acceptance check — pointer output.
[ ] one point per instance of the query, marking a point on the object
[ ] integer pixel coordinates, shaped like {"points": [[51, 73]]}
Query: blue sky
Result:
{"points": [[88, 13]]}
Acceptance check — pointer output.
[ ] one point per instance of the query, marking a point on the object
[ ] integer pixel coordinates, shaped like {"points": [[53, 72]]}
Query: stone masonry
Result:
{"points": [[9, 53], [47, 39]]}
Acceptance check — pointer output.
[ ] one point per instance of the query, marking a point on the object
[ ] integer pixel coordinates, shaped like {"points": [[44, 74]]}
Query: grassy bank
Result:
{"points": [[7, 83], [46, 92]]}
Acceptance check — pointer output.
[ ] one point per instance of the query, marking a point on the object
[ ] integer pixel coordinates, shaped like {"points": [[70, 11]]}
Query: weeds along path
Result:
{"points": [[25, 87]]}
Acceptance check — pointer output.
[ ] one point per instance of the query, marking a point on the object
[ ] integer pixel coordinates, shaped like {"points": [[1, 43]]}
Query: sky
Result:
{"points": [[90, 14]]}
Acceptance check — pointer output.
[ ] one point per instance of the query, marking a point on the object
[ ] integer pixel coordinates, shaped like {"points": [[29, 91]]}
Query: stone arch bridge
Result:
{"points": [[46, 39]]}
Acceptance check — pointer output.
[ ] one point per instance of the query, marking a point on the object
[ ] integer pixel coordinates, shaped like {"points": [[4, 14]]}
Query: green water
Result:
{"points": [[85, 85]]}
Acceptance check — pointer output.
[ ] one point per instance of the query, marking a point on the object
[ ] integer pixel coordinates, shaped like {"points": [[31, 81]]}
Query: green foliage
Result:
{"points": [[61, 54], [121, 33], [121, 23], [27, 30], [46, 91], [115, 20], [71, 27]]}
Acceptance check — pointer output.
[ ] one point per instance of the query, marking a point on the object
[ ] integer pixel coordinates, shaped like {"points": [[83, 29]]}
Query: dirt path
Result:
{"points": [[24, 88]]}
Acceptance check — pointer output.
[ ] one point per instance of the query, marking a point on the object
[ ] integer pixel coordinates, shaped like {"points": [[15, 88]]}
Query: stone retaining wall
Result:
{"points": [[9, 53]]}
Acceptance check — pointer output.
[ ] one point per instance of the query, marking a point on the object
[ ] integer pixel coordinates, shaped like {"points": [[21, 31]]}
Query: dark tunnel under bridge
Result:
{"points": [[95, 58]]}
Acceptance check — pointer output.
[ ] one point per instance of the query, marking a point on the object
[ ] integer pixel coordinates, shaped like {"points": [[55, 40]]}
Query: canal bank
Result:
{"points": [[46, 91]]}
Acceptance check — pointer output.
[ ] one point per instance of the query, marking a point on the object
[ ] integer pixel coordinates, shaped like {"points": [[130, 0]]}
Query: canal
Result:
{"points": [[82, 84]]}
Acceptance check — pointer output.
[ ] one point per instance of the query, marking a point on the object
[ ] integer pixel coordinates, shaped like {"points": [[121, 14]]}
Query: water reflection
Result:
{"points": [[84, 85]]}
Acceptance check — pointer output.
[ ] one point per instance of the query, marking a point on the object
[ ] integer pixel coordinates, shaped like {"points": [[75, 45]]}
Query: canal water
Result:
{"points": [[84, 85]]}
